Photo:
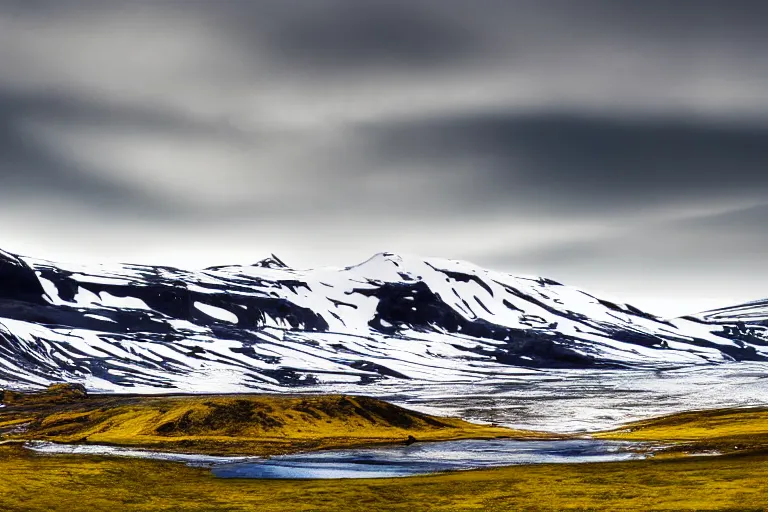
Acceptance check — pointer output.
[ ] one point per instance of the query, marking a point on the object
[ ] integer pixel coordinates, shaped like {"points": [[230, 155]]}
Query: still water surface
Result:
{"points": [[382, 462], [426, 458]]}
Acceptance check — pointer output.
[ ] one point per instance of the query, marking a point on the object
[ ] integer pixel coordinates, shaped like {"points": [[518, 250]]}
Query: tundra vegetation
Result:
{"points": [[737, 479]]}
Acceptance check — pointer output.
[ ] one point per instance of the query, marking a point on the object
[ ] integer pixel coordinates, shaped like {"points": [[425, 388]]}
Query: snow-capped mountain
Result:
{"points": [[755, 313], [268, 326], [746, 323]]}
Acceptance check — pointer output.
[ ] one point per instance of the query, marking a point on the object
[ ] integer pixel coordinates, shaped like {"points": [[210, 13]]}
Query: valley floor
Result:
{"points": [[737, 480]]}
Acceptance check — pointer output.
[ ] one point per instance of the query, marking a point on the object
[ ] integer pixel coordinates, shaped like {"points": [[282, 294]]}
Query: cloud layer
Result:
{"points": [[615, 145]]}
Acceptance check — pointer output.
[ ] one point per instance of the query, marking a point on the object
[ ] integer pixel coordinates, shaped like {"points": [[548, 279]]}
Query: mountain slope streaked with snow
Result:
{"points": [[746, 323], [267, 326]]}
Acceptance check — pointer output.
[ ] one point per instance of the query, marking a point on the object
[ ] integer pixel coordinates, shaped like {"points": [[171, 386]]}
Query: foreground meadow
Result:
{"points": [[736, 480], [32, 483]]}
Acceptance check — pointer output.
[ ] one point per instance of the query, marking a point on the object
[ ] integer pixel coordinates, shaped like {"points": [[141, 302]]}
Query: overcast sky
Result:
{"points": [[618, 146]]}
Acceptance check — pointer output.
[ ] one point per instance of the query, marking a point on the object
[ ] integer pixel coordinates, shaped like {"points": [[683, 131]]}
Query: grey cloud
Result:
{"points": [[713, 254], [589, 164], [316, 35], [26, 167], [362, 35], [479, 36], [743, 232], [326, 37], [549, 161], [29, 166], [75, 110]]}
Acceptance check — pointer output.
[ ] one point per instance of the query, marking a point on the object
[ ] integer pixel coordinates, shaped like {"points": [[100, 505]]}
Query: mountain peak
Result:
{"points": [[271, 262]]}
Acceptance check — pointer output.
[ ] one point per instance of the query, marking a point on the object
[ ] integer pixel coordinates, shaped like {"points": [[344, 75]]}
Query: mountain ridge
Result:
{"points": [[266, 325]]}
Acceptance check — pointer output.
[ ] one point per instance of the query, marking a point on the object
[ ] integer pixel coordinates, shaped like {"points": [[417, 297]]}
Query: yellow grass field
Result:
{"points": [[37, 483], [723, 430], [737, 481]]}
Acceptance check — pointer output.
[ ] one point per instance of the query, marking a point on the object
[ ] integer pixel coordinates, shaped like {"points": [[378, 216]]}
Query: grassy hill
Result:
{"points": [[241, 424], [724, 430]]}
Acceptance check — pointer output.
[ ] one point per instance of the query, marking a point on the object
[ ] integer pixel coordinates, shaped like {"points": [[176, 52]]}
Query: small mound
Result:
{"points": [[54, 394], [244, 424]]}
